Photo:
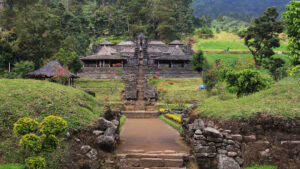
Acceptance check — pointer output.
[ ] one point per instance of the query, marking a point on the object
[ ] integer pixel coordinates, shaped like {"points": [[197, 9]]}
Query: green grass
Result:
{"points": [[171, 123], [282, 99], [225, 40], [12, 166], [102, 89], [38, 99], [122, 121], [233, 58], [262, 167], [183, 91]]}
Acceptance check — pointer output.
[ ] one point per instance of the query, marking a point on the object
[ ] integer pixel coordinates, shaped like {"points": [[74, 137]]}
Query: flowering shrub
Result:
{"points": [[36, 162], [31, 142], [162, 110], [61, 76], [154, 79], [25, 125], [171, 82], [50, 127], [173, 117], [53, 125]]}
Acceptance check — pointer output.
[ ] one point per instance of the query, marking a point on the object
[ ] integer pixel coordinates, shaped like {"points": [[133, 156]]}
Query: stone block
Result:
{"points": [[214, 139], [151, 162], [212, 132], [173, 162], [250, 138], [232, 154], [237, 137]]}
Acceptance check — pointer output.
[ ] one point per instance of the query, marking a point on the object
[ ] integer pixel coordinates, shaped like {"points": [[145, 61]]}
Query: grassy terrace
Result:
{"points": [[282, 99], [102, 89], [38, 99], [225, 40]]}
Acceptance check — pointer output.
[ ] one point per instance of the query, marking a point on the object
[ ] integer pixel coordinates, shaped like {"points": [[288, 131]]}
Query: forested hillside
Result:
{"points": [[38, 30], [239, 9]]}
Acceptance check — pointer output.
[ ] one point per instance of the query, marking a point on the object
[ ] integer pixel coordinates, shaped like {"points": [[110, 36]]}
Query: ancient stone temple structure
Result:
{"points": [[170, 60]]}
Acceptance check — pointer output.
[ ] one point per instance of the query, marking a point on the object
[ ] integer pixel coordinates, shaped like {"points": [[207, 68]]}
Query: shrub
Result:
{"points": [[210, 79], [31, 142], [53, 125], [245, 81], [173, 117], [25, 125], [49, 143], [35, 162]]}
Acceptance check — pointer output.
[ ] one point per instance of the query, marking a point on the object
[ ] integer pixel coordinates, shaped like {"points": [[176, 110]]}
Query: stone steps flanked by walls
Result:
{"points": [[139, 159], [140, 114]]}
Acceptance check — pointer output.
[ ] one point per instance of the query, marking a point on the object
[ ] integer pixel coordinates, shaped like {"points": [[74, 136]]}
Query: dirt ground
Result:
{"points": [[150, 135]]}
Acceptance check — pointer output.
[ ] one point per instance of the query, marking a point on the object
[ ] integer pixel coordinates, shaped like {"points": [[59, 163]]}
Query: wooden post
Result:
{"points": [[158, 64], [9, 67]]}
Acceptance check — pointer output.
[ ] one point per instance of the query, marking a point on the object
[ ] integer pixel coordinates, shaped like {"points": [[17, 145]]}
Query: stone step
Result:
{"points": [[167, 159], [140, 114]]}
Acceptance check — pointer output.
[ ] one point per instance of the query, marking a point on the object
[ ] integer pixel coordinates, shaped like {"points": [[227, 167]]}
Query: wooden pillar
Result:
{"points": [[158, 64]]}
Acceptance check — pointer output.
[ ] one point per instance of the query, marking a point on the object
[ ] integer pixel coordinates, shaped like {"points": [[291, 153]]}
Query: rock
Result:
{"points": [[231, 148], [228, 131], [97, 132], [201, 155], [232, 154], [115, 122], [230, 142], [106, 142], [85, 148], [77, 140], [290, 144], [198, 132], [133, 162], [198, 124], [103, 124], [237, 137], [173, 162], [212, 132], [205, 149], [68, 135], [210, 124], [225, 162], [222, 151], [239, 160], [214, 139], [199, 137], [93, 154], [265, 154], [90, 93], [250, 138]]}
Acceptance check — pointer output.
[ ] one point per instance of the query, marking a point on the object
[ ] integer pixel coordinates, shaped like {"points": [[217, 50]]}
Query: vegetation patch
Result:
{"points": [[262, 167], [12, 166], [122, 121], [38, 99], [171, 123]]}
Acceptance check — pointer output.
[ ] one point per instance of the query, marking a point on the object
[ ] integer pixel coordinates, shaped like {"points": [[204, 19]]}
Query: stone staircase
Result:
{"points": [[139, 159], [140, 114]]}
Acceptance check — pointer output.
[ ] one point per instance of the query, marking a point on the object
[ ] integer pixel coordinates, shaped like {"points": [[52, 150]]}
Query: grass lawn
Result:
{"points": [[183, 91], [282, 99], [171, 123], [38, 99], [12, 166], [233, 58], [262, 167], [225, 40], [102, 89]]}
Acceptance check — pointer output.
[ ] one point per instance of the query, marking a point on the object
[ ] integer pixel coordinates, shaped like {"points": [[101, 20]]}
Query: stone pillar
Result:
{"points": [[158, 64]]}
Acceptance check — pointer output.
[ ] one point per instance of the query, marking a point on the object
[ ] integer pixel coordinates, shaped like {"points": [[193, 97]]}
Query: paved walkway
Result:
{"points": [[150, 135]]}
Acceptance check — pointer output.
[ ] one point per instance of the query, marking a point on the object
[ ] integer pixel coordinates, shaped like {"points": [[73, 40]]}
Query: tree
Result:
{"points": [[199, 62], [68, 59], [292, 20], [6, 55], [262, 35]]}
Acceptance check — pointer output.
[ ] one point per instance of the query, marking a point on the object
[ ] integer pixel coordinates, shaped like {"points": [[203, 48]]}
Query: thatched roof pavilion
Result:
{"points": [[49, 70]]}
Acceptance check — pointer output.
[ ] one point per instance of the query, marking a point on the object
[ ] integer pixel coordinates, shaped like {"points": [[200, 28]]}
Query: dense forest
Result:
{"points": [[39, 30], [239, 9]]}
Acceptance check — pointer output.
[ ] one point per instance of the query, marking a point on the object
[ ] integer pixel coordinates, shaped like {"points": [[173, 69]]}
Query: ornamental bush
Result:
{"points": [[36, 162], [25, 126], [246, 81], [49, 143], [31, 142], [53, 125]]}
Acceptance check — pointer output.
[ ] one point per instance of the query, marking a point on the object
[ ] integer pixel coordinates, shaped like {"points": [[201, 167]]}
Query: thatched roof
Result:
{"points": [[49, 70], [153, 50], [102, 57], [156, 42], [107, 43], [126, 43], [176, 42], [176, 51], [127, 50], [106, 50]]}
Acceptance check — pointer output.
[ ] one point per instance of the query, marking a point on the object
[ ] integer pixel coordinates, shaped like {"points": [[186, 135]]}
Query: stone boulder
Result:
{"points": [[212, 132], [225, 162], [103, 124]]}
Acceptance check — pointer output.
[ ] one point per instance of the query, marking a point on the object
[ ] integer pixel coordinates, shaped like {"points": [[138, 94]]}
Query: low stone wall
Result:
{"points": [[212, 148]]}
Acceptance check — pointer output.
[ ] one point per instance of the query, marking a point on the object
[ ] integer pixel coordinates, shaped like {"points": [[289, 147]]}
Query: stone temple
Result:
{"points": [[170, 60]]}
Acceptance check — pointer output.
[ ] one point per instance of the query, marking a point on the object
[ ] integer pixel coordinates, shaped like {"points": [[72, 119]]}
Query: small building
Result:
{"points": [[52, 70]]}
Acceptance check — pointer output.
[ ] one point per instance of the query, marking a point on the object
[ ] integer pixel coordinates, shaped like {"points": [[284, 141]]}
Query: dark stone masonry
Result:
{"points": [[170, 60]]}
